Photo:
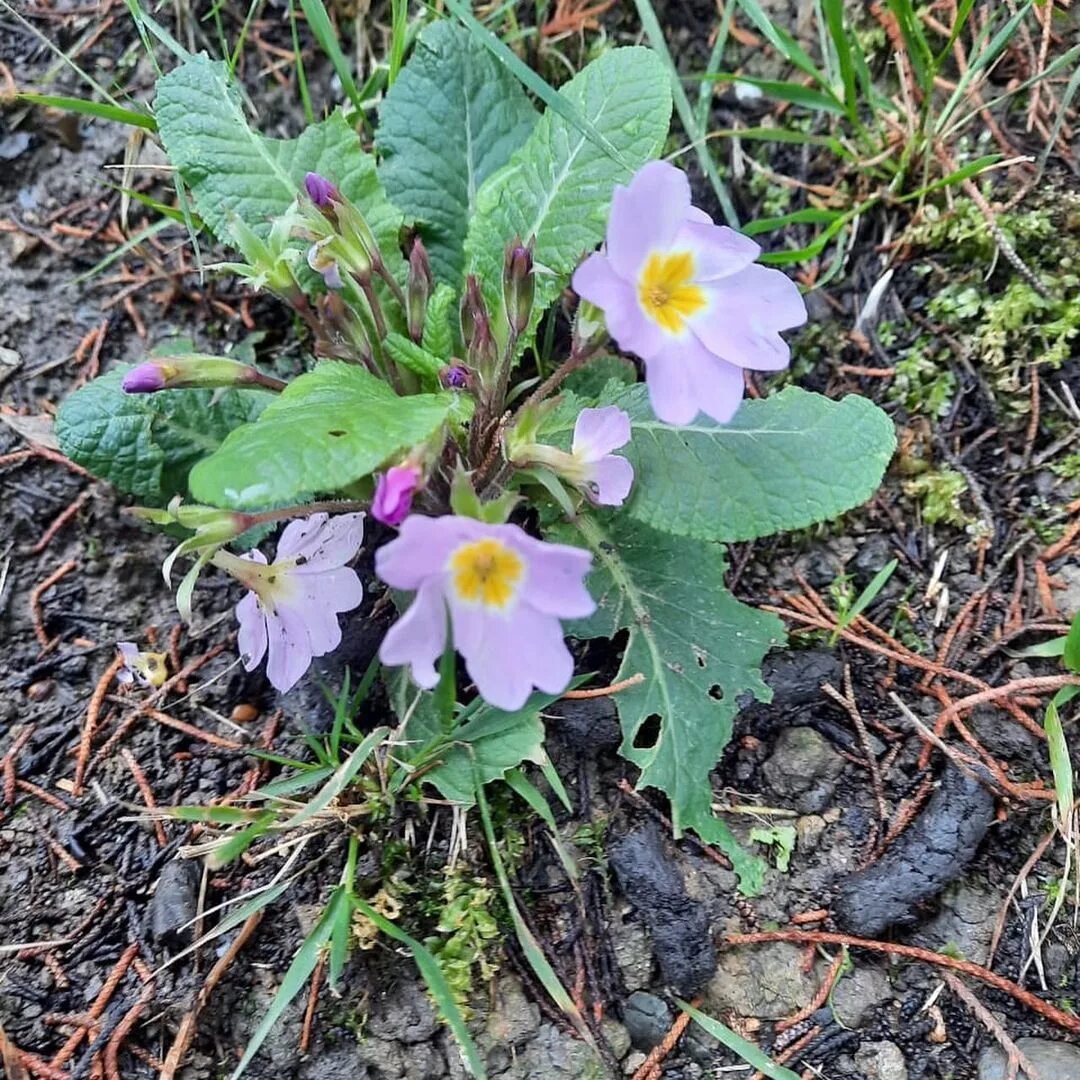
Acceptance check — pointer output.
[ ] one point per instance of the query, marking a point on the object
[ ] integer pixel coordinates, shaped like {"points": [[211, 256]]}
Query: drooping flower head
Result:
{"points": [[504, 594], [293, 603], [394, 494], [145, 668], [606, 477], [687, 297]]}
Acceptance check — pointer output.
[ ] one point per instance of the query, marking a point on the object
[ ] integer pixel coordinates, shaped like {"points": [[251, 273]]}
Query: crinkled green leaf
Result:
{"points": [[453, 116], [145, 444], [328, 429], [698, 648], [234, 171], [557, 187], [783, 462]]}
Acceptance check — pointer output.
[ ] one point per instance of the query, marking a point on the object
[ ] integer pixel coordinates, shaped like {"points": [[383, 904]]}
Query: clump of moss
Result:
{"points": [[939, 492]]}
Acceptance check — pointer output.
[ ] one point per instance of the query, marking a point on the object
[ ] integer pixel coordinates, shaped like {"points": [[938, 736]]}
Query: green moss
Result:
{"points": [[939, 492]]}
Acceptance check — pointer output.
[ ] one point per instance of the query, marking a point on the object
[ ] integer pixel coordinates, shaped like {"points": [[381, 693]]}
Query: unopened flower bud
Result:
{"points": [[483, 352], [394, 494], [455, 377], [419, 289], [473, 309], [320, 190], [519, 286], [193, 371]]}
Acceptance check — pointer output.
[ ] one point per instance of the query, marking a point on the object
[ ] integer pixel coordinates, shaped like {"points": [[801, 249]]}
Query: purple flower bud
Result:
{"points": [[144, 379], [419, 288], [519, 286], [394, 494], [455, 377], [320, 190]]}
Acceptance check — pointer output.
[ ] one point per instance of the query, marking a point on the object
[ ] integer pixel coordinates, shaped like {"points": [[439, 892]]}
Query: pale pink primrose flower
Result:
{"points": [[292, 607], [324, 263], [394, 494], [606, 477], [504, 594], [145, 668], [687, 297]]}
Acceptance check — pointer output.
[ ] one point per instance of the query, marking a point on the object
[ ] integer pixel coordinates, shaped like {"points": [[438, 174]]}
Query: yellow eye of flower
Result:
{"points": [[666, 291], [486, 572]]}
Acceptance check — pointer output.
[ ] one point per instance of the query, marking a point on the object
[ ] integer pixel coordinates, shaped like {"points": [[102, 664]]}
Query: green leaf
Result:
{"points": [[405, 352], [698, 648], [234, 171], [327, 430], [1071, 652], [751, 1054], [453, 116], [558, 186], [783, 462], [438, 323], [145, 444], [591, 380]]}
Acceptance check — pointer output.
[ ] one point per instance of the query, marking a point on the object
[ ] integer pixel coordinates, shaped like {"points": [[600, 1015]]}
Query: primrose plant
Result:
{"points": [[480, 292]]}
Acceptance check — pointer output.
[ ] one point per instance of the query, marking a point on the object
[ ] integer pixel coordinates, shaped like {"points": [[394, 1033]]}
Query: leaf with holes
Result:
{"points": [[327, 430], [783, 462], [234, 171], [145, 444], [557, 188], [699, 649], [452, 118]]}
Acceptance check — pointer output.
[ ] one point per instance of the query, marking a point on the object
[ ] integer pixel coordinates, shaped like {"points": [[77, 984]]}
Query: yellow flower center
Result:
{"points": [[667, 292], [486, 572]]}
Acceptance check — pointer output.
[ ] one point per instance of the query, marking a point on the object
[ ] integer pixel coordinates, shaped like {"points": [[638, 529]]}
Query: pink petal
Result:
{"points": [[555, 584], [721, 392], [611, 480], [289, 646], [599, 431], [747, 311], [421, 549], [322, 542], [597, 282], [646, 215], [669, 376], [251, 637], [507, 655], [319, 600], [394, 494], [718, 251], [418, 638]]}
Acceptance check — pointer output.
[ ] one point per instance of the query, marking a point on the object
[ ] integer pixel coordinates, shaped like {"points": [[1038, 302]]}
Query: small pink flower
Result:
{"points": [[292, 608], [607, 478], [505, 594], [687, 297], [394, 494], [322, 262], [145, 668]]}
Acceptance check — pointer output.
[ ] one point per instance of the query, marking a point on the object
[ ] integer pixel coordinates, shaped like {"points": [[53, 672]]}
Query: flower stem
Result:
{"points": [[329, 506]]}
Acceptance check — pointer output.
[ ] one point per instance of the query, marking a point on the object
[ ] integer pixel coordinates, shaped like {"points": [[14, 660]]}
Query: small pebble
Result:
{"points": [[244, 714], [41, 690]]}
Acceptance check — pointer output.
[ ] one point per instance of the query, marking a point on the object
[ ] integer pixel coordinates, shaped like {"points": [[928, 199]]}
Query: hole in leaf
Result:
{"points": [[337, 433], [716, 692], [646, 736]]}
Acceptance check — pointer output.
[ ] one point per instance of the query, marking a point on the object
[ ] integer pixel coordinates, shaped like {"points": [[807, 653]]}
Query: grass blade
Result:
{"points": [[399, 32], [783, 42], [1070, 653], [318, 21], [865, 598], [795, 93], [694, 129], [844, 46], [751, 1054], [97, 109], [301, 71]]}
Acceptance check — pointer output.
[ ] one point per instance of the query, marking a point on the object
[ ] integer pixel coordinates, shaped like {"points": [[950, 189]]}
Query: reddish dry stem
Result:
{"points": [[37, 614], [59, 522], [312, 1002], [146, 791], [650, 1067], [818, 999], [605, 691], [93, 711]]}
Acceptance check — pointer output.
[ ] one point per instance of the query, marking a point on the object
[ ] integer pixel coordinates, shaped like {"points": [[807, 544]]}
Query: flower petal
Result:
{"points": [[506, 656], [645, 216], [746, 313], [718, 251], [321, 542], [632, 329], [319, 600], [421, 549], [555, 584], [599, 431], [720, 393], [673, 386], [419, 636], [610, 481], [289, 647], [251, 637]]}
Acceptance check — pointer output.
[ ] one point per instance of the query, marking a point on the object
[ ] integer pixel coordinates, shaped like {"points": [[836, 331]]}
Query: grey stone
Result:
{"points": [[175, 900], [617, 1036], [647, 1019], [1053, 1060], [385, 1058], [554, 1055], [858, 994], [805, 766], [404, 1013], [1068, 599], [514, 1017], [882, 1061], [965, 921], [633, 951], [764, 981]]}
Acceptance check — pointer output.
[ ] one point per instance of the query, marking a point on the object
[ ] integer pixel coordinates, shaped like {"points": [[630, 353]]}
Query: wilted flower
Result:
{"points": [[505, 593], [606, 477], [394, 494], [292, 607], [145, 668], [687, 297], [322, 261]]}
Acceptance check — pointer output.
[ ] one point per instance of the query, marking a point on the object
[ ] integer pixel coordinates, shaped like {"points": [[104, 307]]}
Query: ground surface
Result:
{"points": [[968, 593]]}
